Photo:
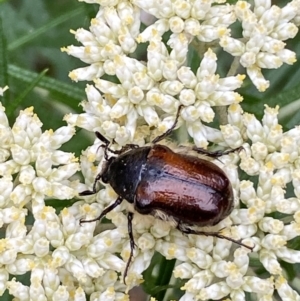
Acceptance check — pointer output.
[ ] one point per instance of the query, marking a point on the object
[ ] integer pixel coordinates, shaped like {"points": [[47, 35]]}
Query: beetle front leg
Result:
{"points": [[132, 244], [94, 190], [216, 154], [117, 202], [187, 230]]}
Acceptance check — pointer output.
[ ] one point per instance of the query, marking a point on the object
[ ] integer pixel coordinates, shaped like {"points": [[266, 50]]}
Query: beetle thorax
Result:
{"points": [[123, 173]]}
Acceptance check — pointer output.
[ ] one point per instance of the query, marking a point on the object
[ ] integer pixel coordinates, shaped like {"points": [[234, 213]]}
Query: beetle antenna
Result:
{"points": [[215, 234], [105, 146], [168, 132], [116, 152]]}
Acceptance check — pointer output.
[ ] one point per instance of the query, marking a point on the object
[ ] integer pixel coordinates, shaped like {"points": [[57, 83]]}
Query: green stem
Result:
{"points": [[166, 268], [221, 111]]}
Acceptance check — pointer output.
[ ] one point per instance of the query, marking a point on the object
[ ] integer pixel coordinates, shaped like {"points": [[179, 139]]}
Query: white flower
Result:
{"points": [[111, 33], [264, 30], [27, 145], [138, 94], [203, 20], [148, 94], [33, 169]]}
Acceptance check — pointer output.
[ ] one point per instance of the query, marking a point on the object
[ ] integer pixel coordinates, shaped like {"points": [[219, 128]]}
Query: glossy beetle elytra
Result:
{"points": [[186, 190]]}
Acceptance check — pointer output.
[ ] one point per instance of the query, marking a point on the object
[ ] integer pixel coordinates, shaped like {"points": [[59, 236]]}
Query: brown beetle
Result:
{"points": [[186, 190]]}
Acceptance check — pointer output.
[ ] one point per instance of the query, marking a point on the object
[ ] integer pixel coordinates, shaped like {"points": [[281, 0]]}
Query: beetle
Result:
{"points": [[186, 190]]}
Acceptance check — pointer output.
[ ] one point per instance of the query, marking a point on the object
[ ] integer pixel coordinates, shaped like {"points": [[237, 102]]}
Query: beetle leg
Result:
{"points": [[215, 234], [216, 154], [117, 202], [132, 244], [168, 132], [94, 190]]}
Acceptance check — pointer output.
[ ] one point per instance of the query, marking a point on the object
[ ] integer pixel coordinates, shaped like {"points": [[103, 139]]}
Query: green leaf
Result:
{"points": [[45, 28], [67, 94]]}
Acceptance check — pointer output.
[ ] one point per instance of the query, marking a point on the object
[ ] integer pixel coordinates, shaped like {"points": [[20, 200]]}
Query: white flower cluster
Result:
{"points": [[32, 170], [81, 264], [146, 95], [212, 270], [65, 260], [32, 167], [51, 246], [117, 113], [269, 221], [264, 30]]}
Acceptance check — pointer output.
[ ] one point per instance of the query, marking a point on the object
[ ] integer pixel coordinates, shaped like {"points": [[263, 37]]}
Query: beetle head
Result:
{"points": [[105, 172]]}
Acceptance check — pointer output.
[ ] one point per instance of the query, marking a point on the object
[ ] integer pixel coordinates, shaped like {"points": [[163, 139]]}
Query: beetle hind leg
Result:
{"points": [[187, 230], [216, 154]]}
